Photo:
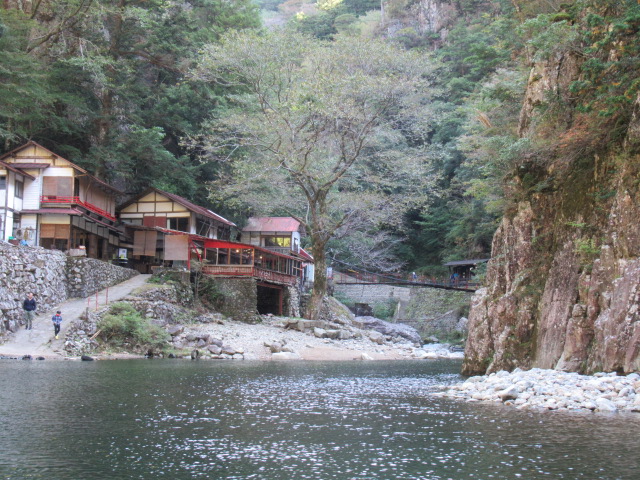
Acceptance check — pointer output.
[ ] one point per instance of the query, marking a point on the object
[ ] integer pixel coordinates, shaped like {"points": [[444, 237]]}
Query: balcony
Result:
{"points": [[74, 201]]}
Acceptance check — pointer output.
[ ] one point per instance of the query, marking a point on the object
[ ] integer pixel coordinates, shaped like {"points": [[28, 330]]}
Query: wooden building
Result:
{"points": [[53, 203], [282, 235], [165, 229]]}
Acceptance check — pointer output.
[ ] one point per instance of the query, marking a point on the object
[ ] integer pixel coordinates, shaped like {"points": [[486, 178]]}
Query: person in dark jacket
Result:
{"points": [[57, 320], [29, 307]]}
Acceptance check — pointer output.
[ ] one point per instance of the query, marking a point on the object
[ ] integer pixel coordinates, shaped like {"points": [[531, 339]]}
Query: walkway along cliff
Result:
{"points": [[563, 285]]}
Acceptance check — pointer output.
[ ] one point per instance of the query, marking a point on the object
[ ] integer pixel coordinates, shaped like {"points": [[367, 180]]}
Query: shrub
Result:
{"points": [[124, 324]]}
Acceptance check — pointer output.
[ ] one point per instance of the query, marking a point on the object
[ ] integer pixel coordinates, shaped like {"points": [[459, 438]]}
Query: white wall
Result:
{"points": [[32, 192]]}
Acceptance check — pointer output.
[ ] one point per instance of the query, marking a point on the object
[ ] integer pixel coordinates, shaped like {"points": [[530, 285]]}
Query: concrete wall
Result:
{"points": [[51, 276], [371, 294]]}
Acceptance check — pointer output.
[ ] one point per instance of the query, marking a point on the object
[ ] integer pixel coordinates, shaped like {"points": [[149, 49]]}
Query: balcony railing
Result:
{"points": [[72, 200], [249, 271]]}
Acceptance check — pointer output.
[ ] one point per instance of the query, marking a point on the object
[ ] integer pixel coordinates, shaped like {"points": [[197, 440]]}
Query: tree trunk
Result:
{"points": [[320, 279]]}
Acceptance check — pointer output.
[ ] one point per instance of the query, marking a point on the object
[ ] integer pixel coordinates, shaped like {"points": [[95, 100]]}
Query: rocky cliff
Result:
{"points": [[563, 285]]}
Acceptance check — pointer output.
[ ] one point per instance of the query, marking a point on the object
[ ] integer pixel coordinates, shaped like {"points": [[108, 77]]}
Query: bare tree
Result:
{"points": [[319, 131]]}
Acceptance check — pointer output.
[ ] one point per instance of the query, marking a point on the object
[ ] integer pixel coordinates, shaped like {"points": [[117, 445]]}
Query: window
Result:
{"points": [[3, 182], [19, 189], [275, 241], [180, 223]]}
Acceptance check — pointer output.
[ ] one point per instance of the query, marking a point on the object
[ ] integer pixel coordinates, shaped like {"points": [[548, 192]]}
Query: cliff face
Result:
{"points": [[564, 280]]}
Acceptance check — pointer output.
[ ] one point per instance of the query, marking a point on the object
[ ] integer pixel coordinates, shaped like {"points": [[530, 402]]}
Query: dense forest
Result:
{"points": [[141, 93]]}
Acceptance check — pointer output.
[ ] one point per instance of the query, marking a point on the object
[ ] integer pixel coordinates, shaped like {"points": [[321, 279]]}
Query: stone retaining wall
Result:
{"points": [[87, 276], [51, 276], [239, 298]]}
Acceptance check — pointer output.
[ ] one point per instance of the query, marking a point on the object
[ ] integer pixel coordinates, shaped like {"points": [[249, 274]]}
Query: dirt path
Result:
{"points": [[40, 340]]}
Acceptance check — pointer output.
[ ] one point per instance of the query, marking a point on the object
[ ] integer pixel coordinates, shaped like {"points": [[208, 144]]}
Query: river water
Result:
{"points": [[155, 419]]}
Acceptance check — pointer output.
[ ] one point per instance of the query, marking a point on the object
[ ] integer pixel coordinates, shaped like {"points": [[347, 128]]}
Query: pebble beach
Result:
{"points": [[552, 390]]}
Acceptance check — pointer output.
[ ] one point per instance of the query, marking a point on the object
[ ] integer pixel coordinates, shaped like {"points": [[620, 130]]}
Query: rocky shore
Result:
{"points": [[276, 338], [553, 390]]}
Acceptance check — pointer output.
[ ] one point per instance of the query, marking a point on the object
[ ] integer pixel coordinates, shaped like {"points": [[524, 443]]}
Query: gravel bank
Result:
{"points": [[553, 390], [253, 342]]}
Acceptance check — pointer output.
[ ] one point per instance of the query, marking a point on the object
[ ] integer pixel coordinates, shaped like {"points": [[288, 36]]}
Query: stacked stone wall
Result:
{"points": [[239, 298], [51, 276], [87, 276], [291, 302], [28, 269]]}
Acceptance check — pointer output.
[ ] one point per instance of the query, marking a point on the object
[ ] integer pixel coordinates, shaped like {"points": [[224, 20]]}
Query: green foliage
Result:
{"points": [[208, 292], [324, 132], [123, 324], [385, 310], [587, 247], [103, 84]]}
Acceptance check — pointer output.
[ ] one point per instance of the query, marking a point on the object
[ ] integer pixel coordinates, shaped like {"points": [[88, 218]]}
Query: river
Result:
{"points": [[177, 419]]}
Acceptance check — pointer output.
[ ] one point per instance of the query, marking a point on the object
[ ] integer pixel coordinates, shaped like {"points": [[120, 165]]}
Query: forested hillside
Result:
{"points": [[117, 87]]}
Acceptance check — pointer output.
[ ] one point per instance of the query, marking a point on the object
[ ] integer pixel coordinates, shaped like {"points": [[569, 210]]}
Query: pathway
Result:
{"points": [[40, 341]]}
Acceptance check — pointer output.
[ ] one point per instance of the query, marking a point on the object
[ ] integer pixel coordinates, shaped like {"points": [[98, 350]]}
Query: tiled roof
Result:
{"points": [[272, 224], [196, 208], [182, 201]]}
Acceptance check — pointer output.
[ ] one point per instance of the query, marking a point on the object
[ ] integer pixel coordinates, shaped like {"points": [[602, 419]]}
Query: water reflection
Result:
{"points": [[243, 420]]}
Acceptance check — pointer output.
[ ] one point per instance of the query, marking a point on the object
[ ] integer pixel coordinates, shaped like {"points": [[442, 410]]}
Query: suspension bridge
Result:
{"points": [[349, 274]]}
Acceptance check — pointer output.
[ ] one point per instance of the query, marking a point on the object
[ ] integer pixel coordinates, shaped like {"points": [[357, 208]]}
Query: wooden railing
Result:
{"points": [[72, 200], [249, 271], [231, 270]]}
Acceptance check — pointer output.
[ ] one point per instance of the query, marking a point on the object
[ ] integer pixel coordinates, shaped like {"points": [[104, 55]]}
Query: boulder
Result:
{"points": [[227, 350], [510, 393], [214, 349], [319, 332], [274, 346], [392, 329], [175, 330], [376, 337]]}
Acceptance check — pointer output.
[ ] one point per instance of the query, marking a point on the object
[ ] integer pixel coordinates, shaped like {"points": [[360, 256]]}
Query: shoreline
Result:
{"points": [[270, 340]]}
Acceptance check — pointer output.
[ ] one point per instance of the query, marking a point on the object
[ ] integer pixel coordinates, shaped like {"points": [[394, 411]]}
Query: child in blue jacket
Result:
{"points": [[57, 320]]}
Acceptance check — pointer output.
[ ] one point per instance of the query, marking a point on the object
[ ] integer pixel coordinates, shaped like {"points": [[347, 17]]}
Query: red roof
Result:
{"points": [[182, 201], [304, 254], [272, 224]]}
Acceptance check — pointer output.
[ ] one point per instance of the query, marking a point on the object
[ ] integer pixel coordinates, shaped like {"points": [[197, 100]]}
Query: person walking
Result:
{"points": [[57, 320], [29, 307]]}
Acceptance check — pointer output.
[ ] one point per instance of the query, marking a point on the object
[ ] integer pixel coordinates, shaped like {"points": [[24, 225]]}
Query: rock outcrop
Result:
{"points": [[563, 285]]}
